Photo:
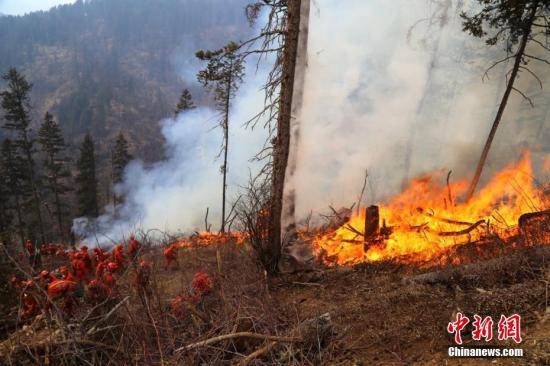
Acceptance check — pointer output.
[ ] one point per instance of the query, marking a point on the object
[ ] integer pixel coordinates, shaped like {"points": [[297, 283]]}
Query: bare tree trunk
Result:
{"points": [[59, 214], [504, 101], [226, 145], [34, 188], [282, 141]]}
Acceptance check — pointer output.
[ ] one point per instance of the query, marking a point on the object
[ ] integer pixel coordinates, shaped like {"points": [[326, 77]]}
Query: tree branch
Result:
{"points": [[236, 335], [486, 73], [537, 58], [524, 96], [533, 74]]}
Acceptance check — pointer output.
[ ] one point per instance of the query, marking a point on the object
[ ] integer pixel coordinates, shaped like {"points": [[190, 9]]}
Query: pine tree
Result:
{"points": [[120, 157], [185, 103], [222, 76], [515, 24], [55, 168], [16, 105], [11, 168], [86, 179]]}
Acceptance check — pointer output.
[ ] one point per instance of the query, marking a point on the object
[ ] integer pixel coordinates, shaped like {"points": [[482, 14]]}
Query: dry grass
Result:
{"points": [[377, 318]]}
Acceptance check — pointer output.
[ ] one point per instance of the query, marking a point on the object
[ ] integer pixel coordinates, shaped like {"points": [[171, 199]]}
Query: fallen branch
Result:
{"points": [[258, 353], [449, 193], [310, 334], [236, 335], [534, 256], [107, 316], [461, 232]]}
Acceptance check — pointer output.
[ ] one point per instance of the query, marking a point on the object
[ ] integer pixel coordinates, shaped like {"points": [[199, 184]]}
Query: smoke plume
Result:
{"points": [[394, 87], [172, 195]]}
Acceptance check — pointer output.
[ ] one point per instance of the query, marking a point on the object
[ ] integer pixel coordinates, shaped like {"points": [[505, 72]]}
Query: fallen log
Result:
{"points": [[535, 257], [535, 226], [526, 217], [310, 334], [224, 337]]}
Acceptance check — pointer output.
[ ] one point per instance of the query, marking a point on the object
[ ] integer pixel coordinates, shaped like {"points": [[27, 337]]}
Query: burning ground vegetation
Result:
{"points": [[382, 286]]}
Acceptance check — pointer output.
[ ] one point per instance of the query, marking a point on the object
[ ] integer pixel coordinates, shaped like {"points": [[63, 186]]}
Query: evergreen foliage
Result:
{"points": [[86, 179], [222, 76], [55, 168]]}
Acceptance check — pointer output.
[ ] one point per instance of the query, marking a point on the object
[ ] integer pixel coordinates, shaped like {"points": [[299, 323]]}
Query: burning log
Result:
{"points": [[535, 227], [337, 219], [533, 218], [372, 222], [461, 232]]}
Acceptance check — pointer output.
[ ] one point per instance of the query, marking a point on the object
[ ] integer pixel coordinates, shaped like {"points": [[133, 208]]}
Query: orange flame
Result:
{"points": [[426, 218], [205, 238]]}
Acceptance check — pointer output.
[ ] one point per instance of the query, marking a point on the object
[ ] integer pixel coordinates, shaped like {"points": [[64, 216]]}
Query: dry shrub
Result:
{"points": [[252, 213]]}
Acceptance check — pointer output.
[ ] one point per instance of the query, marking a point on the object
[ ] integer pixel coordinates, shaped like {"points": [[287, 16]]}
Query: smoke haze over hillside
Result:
{"points": [[173, 195], [391, 86], [386, 82]]}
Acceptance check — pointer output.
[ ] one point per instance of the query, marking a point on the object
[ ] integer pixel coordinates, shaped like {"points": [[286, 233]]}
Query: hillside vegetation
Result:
{"points": [[104, 66]]}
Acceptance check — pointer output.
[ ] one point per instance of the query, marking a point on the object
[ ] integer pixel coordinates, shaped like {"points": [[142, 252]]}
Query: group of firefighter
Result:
{"points": [[87, 274], [91, 276]]}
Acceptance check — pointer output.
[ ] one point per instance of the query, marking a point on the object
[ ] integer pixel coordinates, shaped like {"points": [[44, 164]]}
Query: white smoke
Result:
{"points": [[375, 84], [173, 195]]}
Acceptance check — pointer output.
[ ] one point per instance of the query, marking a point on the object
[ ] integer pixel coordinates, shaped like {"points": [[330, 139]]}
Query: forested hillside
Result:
{"points": [[105, 66]]}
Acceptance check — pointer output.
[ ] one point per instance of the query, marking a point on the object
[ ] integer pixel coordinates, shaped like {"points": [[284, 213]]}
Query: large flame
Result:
{"points": [[427, 218]]}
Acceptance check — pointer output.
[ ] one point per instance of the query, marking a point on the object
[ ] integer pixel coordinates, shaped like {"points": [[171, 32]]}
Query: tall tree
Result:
{"points": [[16, 105], [11, 169], [516, 24], [185, 102], [282, 141], [86, 179], [120, 157], [56, 172], [222, 76], [279, 36]]}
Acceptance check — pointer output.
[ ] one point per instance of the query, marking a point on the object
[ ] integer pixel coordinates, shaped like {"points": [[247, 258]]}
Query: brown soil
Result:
{"points": [[378, 317]]}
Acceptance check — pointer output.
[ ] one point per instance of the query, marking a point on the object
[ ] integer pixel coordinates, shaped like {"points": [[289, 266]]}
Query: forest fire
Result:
{"points": [[204, 238], [427, 219]]}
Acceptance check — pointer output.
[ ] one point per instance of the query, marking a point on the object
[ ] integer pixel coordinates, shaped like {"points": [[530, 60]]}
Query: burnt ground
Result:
{"points": [[381, 316], [381, 313]]}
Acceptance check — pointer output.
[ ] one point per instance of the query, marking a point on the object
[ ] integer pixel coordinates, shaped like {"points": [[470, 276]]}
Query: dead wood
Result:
{"points": [[372, 222], [535, 256], [526, 218], [461, 232], [337, 219], [309, 334], [235, 335], [258, 353]]}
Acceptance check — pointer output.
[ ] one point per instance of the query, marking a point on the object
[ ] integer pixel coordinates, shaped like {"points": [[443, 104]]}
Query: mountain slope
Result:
{"points": [[109, 65]]}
